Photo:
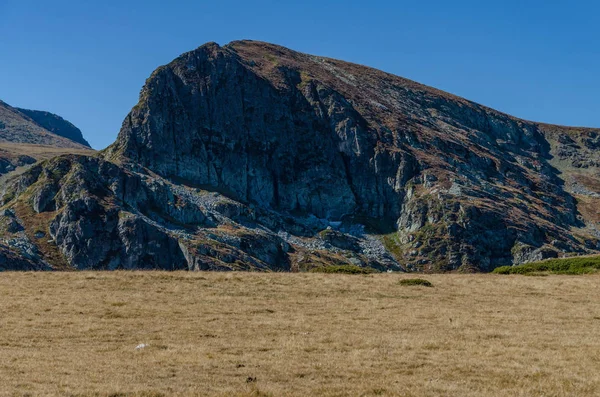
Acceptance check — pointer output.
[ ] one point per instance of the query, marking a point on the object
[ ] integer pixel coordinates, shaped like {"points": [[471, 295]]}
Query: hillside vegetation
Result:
{"points": [[575, 265]]}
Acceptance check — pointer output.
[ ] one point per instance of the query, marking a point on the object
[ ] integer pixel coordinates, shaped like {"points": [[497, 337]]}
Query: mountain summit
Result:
{"points": [[254, 156]]}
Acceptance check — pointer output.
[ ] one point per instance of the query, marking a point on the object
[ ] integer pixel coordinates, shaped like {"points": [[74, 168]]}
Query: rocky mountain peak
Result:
{"points": [[251, 155]]}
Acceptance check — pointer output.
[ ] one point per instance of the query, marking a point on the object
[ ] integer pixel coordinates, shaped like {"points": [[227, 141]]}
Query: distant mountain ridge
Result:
{"points": [[56, 124], [27, 136], [251, 156], [36, 127]]}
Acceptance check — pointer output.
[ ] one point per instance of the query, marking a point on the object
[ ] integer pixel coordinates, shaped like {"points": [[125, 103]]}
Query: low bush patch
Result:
{"points": [[343, 269], [416, 282], [576, 265]]}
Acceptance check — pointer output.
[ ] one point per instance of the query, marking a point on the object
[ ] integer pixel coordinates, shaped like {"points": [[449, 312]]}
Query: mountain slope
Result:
{"points": [[253, 156], [16, 126], [56, 124], [24, 140]]}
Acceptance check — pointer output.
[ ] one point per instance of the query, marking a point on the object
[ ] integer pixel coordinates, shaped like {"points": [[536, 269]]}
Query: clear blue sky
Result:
{"points": [[87, 60]]}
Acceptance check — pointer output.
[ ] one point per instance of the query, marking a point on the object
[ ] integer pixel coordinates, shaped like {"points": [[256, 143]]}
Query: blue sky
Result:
{"points": [[87, 61]]}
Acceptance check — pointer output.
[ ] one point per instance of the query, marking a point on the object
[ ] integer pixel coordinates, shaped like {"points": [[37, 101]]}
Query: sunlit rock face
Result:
{"points": [[251, 156]]}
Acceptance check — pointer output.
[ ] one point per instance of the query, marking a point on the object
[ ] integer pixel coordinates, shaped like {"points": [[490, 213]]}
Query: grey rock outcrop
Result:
{"points": [[251, 156]]}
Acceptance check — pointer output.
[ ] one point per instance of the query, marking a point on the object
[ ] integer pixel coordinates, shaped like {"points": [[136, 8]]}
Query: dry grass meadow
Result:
{"points": [[250, 334]]}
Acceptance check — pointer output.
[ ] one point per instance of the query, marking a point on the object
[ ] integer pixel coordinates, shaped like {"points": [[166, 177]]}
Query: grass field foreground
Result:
{"points": [[250, 334]]}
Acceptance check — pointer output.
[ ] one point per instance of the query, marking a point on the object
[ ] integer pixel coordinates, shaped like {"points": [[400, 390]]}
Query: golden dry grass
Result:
{"points": [[250, 334], [42, 151], [11, 150]]}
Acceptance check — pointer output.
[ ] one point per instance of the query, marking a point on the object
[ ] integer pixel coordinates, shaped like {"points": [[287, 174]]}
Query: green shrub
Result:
{"points": [[575, 265], [392, 244], [8, 197], [343, 269], [416, 282]]}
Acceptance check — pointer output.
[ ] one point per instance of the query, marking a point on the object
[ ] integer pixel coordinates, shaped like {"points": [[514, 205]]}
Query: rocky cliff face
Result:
{"points": [[253, 156]]}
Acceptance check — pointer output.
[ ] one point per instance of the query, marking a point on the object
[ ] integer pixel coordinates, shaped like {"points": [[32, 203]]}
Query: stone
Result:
{"points": [[250, 155]]}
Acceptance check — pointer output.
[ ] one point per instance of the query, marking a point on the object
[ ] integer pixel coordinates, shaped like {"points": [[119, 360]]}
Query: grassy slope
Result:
{"points": [[248, 334], [10, 151], [42, 151]]}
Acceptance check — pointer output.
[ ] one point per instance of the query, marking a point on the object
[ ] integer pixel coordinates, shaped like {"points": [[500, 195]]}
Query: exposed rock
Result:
{"points": [[147, 247], [526, 253], [340, 240], [12, 260], [255, 157], [10, 161]]}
